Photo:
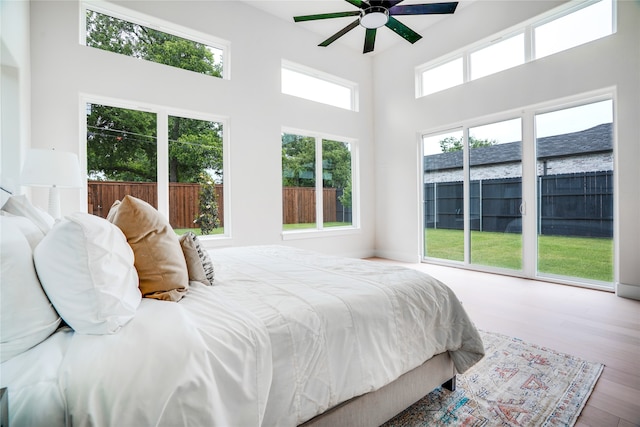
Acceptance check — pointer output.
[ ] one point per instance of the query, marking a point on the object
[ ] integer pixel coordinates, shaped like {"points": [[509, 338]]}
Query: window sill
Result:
{"points": [[313, 233]]}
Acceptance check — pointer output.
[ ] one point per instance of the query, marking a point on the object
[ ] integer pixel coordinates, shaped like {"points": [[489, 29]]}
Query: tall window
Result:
{"points": [[112, 32], [123, 156], [122, 147], [314, 85], [196, 200], [317, 182]]}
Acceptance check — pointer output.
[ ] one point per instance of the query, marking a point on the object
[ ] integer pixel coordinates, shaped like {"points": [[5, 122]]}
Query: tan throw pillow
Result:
{"points": [[159, 260]]}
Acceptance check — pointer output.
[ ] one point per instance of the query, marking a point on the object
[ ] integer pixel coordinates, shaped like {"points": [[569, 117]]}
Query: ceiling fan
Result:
{"points": [[374, 14]]}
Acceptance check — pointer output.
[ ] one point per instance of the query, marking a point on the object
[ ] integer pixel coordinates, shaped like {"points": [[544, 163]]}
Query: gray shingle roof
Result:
{"points": [[597, 139]]}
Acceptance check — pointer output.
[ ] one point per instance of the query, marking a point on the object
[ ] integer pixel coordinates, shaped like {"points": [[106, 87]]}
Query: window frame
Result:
{"points": [[529, 187], [162, 129], [503, 37], [562, 12], [152, 22], [353, 87], [420, 71], [319, 230]]}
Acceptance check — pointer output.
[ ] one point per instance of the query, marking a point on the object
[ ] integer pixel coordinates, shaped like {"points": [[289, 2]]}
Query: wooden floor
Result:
{"points": [[595, 325]]}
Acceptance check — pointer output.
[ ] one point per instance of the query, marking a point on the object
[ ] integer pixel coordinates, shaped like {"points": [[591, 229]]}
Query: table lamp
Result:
{"points": [[53, 169]]}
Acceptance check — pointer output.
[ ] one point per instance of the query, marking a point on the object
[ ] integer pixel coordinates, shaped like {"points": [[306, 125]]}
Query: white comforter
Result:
{"points": [[341, 327], [283, 335]]}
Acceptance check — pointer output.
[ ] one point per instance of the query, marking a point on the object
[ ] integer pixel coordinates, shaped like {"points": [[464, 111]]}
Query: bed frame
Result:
{"points": [[375, 408]]}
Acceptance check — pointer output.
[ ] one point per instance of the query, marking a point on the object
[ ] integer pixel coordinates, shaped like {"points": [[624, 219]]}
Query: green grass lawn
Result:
{"points": [[220, 230], [583, 257], [198, 232], [303, 226]]}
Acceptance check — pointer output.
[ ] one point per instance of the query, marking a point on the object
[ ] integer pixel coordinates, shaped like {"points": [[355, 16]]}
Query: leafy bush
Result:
{"points": [[208, 218]]}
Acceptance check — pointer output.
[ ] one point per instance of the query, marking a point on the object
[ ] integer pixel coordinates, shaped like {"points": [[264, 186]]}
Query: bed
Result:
{"points": [[283, 337]]}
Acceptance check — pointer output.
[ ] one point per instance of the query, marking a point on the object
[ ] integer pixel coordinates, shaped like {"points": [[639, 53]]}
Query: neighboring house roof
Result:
{"points": [[597, 139]]}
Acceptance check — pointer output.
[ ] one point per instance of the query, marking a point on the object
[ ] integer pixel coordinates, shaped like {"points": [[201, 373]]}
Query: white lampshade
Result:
{"points": [[51, 168]]}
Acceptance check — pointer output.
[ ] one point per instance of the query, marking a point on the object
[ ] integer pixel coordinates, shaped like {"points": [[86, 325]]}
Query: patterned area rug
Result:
{"points": [[515, 384]]}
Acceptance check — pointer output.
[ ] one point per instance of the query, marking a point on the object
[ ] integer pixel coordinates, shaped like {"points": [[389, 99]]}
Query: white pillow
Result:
{"points": [[30, 230], [86, 268], [21, 206], [26, 315]]}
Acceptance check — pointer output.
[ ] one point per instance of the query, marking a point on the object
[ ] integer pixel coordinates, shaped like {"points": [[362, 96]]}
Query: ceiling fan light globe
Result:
{"points": [[374, 17]]}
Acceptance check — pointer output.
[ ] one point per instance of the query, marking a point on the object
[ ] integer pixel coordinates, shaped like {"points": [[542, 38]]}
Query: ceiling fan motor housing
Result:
{"points": [[374, 17]]}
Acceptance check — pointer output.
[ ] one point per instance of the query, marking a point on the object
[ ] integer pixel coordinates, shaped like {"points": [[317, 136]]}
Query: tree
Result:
{"points": [[298, 161], [194, 146], [116, 35], [452, 143], [121, 143]]}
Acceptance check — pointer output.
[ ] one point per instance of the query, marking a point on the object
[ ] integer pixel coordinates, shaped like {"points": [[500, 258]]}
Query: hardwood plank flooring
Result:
{"points": [[594, 325]]}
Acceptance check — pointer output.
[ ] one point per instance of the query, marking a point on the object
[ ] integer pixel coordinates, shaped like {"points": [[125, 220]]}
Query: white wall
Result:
{"points": [[15, 88], [62, 69], [612, 62]]}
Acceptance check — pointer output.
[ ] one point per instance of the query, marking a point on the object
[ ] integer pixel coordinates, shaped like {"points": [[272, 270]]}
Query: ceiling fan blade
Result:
{"points": [[325, 16], [424, 9], [359, 3], [340, 33], [387, 4], [369, 40], [402, 30]]}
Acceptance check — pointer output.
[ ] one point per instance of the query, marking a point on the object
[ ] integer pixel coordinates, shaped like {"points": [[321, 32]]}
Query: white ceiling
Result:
{"points": [[354, 39]]}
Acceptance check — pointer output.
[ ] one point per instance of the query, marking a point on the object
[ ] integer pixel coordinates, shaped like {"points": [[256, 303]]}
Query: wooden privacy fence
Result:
{"points": [[298, 203], [184, 199]]}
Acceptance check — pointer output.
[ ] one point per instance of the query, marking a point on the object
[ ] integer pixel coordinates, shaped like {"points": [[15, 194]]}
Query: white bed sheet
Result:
{"points": [[282, 336], [200, 362]]}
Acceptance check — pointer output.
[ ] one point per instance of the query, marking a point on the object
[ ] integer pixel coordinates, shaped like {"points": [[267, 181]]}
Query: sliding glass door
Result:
{"points": [[443, 199], [478, 180], [495, 184], [574, 155]]}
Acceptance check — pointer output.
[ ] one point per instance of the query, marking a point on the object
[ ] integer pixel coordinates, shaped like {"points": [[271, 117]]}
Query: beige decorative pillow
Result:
{"points": [[194, 264], [159, 260]]}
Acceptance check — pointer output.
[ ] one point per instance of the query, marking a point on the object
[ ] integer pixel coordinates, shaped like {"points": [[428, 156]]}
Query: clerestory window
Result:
{"points": [[568, 26], [125, 32], [304, 82]]}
